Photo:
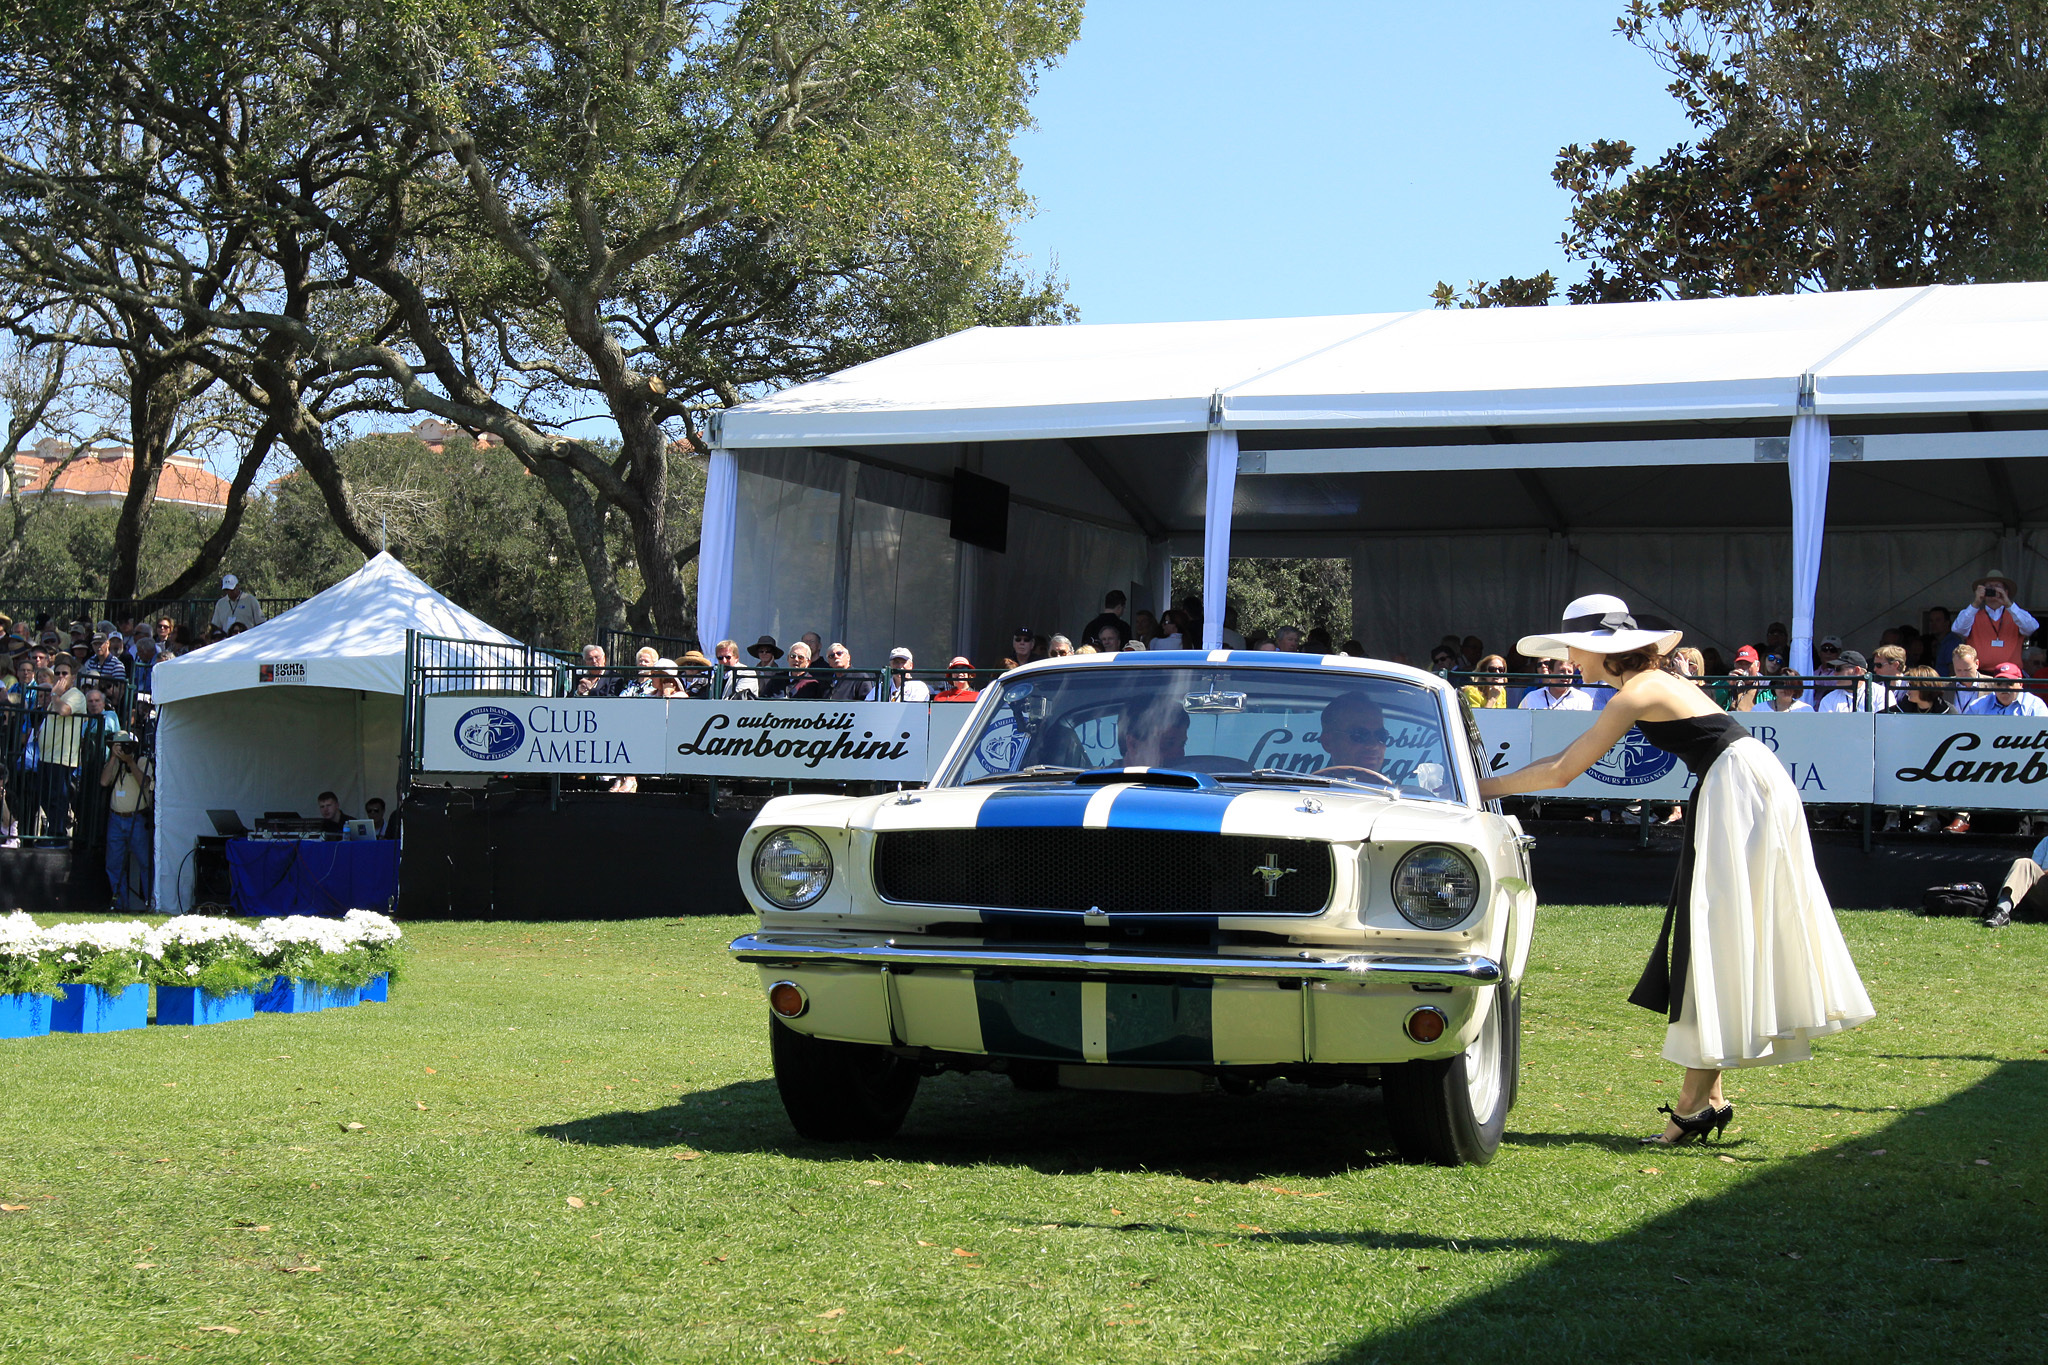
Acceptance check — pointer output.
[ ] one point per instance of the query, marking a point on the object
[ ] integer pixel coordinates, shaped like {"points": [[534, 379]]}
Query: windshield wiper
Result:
{"points": [[1037, 772], [1314, 779]]}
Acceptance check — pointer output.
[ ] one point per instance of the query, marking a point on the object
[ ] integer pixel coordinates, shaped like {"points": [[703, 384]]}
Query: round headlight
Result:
{"points": [[1435, 886], [792, 868]]}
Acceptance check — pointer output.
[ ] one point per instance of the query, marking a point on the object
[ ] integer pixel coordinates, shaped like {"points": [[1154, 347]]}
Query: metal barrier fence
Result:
{"points": [[51, 796], [1727, 688], [620, 646]]}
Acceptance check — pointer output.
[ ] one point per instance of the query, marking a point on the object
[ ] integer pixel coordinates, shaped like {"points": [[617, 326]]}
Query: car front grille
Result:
{"points": [[1118, 871]]}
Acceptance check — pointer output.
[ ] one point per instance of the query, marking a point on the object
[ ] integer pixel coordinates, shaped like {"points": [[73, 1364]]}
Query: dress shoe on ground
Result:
{"points": [[1959, 825]]}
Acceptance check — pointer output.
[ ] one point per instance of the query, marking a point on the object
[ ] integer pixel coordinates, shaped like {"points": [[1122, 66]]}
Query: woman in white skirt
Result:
{"points": [[1750, 965]]}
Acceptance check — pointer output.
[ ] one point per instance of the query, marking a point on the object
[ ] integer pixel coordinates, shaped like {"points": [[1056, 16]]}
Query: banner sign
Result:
{"points": [[1963, 762], [281, 672], [857, 741], [853, 741], [1939, 762], [1827, 756]]}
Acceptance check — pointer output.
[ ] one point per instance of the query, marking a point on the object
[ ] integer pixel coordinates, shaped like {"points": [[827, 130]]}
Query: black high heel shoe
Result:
{"points": [[1708, 1122]]}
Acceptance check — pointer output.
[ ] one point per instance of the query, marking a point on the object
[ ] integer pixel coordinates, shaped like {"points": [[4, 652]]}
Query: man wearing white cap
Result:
{"points": [[903, 687], [236, 607]]}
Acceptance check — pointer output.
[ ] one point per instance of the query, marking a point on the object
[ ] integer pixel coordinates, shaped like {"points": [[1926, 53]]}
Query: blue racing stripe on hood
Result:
{"points": [[1034, 808], [1170, 808]]}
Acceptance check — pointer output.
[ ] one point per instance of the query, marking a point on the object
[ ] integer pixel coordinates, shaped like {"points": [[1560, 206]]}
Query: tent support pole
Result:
{"points": [[1222, 460]]}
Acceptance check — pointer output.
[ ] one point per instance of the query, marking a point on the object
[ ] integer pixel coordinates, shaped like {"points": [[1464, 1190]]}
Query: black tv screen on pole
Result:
{"points": [[981, 511]]}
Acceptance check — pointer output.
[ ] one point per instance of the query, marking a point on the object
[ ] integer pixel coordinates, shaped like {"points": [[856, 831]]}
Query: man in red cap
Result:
{"points": [[1734, 695], [2006, 698]]}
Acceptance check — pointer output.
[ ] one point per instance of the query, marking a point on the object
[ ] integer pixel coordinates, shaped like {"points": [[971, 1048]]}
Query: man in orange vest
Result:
{"points": [[1993, 624]]}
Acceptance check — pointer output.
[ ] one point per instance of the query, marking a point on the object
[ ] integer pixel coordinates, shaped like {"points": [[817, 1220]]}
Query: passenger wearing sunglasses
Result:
{"points": [[1355, 737]]}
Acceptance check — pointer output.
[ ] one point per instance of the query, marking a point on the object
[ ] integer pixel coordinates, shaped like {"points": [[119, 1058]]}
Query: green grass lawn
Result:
{"points": [[571, 1150]]}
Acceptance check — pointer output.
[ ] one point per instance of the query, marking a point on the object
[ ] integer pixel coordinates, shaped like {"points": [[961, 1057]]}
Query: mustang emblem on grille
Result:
{"points": [[1271, 874]]}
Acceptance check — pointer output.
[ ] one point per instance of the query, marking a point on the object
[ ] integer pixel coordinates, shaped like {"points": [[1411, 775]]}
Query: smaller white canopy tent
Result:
{"points": [[309, 701]]}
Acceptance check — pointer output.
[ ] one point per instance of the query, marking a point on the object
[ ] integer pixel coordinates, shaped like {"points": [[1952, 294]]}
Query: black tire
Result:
{"points": [[1513, 1060], [1430, 1104], [840, 1092]]}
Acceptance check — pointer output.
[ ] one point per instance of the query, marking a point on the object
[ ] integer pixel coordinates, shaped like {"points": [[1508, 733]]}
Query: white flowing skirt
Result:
{"points": [[1768, 971]]}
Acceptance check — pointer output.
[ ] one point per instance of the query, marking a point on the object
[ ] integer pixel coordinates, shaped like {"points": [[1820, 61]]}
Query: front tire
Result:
{"points": [[1452, 1112], [840, 1092]]}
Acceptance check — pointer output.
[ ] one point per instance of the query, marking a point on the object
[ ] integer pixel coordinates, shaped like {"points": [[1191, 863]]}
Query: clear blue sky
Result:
{"points": [[1274, 158]]}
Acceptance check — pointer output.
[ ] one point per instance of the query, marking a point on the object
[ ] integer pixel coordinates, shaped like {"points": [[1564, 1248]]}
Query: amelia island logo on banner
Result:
{"points": [[465, 734]]}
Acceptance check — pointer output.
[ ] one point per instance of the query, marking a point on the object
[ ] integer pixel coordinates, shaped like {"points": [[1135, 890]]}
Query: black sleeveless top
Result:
{"points": [[1698, 741]]}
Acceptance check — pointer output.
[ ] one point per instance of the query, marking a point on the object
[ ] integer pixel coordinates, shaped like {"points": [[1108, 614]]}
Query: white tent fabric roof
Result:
{"points": [[350, 636], [1935, 349]]}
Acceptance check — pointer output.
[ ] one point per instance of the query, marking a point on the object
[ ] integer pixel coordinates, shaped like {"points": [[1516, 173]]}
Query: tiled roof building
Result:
{"points": [[99, 476]]}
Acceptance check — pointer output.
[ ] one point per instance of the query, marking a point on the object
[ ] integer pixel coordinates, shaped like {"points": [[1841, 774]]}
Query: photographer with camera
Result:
{"points": [[130, 773], [1994, 624]]}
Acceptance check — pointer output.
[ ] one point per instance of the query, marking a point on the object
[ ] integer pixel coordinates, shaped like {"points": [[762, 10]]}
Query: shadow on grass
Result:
{"points": [[1917, 1253], [1285, 1131]]}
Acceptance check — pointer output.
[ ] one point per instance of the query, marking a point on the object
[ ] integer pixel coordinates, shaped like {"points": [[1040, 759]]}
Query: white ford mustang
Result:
{"points": [[1160, 872]]}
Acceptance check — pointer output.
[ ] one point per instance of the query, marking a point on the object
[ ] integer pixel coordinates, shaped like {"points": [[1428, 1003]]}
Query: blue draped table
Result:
{"points": [[312, 876]]}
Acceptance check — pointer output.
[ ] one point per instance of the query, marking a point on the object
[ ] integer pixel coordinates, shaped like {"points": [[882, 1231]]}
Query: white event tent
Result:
{"points": [[1478, 467], [312, 700]]}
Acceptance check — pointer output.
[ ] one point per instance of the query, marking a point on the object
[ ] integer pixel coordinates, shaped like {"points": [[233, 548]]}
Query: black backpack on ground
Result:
{"points": [[1956, 898]]}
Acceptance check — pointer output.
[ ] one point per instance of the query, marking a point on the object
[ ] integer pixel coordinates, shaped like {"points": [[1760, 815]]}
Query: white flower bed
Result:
{"points": [[219, 955]]}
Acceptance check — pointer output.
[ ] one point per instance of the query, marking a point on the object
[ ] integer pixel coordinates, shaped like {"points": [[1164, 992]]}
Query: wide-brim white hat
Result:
{"points": [[1601, 624]]}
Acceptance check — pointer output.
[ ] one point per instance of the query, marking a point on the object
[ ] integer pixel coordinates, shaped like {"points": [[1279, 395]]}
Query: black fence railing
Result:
{"points": [[1759, 691], [620, 646]]}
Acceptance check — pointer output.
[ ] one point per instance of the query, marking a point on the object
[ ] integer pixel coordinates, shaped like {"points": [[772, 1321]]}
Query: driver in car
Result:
{"points": [[1354, 736], [1152, 733]]}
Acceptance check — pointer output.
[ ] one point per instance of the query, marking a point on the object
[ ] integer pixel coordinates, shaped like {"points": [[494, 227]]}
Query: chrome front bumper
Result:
{"points": [[1310, 964]]}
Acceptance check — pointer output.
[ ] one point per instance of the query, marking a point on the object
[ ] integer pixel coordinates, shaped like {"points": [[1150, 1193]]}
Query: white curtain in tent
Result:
{"points": [[252, 752], [1808, 456]]}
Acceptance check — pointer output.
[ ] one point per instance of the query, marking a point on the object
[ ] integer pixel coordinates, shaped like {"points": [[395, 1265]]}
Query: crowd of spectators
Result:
{"points": [[1990, 658], [77, 720]]}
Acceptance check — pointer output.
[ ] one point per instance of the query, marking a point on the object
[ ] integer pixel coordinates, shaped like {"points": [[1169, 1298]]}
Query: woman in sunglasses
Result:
{"points": [[1488, 689], [1750, 966]]}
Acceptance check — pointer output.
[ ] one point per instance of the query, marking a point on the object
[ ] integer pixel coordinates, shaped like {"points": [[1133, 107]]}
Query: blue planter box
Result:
{"points": [[24, 1016], [88, 1009], [190, 1005], [378, 991], [341, 997], [289, 995]]}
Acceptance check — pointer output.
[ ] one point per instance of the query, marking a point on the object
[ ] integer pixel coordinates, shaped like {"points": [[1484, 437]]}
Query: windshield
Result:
{"points": [[1220, 720]]}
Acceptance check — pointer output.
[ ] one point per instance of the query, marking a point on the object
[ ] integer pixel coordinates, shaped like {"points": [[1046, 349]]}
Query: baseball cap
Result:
{"points": [[1747, 652], [900, 652], [230, 581], [2007, 671], [1827, 640], [1023, 633], [1852, 659], [961, 661]]}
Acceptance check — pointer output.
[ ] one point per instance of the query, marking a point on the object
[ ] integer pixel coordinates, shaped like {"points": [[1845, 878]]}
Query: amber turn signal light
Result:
{"points": [[787, 999], [1426, 1023]]}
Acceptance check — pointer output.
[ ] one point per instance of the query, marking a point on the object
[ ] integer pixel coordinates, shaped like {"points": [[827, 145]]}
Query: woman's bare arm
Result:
{"points": [[1558, 770]]}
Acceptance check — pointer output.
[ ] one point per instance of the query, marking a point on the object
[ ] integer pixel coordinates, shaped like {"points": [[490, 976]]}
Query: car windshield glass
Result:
{"points": [[1380, 732]]}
